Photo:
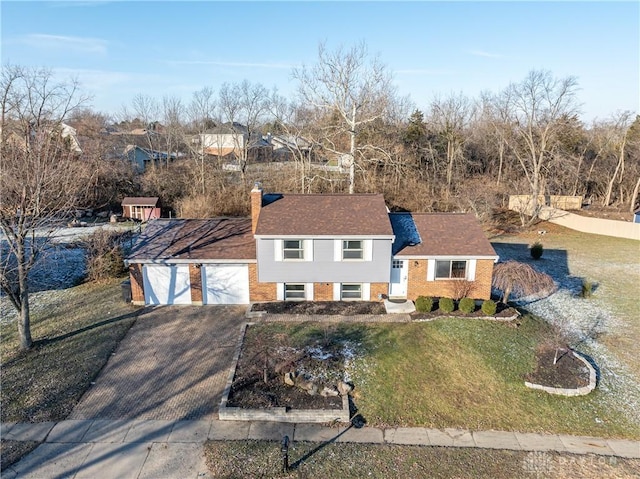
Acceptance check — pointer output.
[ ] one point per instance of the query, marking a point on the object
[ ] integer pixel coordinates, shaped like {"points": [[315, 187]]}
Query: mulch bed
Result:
{"points": [[502, 311], [249, 390], [344, 308], [568, 372]]}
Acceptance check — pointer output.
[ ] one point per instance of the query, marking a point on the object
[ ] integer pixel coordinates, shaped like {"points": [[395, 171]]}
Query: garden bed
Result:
{"points": [[258, 390], [343, 308], [503, 312], [568, 372]]}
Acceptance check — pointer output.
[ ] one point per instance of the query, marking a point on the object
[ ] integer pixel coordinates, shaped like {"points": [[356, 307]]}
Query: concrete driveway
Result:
{"points": [[172, 365]]}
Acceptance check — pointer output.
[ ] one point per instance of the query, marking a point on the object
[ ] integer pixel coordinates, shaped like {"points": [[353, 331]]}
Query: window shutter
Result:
{"points": [[308, 249], [366, 291], [308, 291], [277, 249], [337, 250], [336, 291], [367, 246], [471, 270], [431, 270], [280, 291]]}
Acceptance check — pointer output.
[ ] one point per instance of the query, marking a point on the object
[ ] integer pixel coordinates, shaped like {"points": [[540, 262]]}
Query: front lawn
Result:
{"points": [[461, 373], [260, 459], [74, 337]]}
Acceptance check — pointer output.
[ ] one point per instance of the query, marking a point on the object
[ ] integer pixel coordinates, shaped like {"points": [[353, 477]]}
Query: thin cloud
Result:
{"points": [[62, 42], [233, 64], [482, 53]]}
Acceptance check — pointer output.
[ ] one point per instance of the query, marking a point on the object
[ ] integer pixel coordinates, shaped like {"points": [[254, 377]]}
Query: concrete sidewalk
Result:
{"points": [[173, 449]]}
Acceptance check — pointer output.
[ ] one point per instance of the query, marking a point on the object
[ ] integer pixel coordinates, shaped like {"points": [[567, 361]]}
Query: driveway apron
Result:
{"points": [[172, 365]]}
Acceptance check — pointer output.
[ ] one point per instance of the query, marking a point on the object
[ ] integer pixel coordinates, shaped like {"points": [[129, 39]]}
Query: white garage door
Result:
{"points": [[225, 284], [166, 284]]}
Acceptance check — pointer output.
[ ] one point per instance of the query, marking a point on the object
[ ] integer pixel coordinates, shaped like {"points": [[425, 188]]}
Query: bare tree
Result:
{"points": [[351, 87], [201, 114], [245, 103], [617, 130], [521, 279], [38, 184], [535, 108]]}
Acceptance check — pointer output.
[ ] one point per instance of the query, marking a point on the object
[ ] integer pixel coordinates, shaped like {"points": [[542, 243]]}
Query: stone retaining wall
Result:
{"points": [[582, 391]]}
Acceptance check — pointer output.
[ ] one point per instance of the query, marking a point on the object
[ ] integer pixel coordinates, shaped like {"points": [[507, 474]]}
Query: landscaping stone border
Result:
{"points": [[581, 391], [276, 414]]}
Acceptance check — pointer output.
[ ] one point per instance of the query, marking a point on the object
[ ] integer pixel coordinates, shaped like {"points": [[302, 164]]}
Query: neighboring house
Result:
{"points": [[68, 133], [284, 146], [311, 247], [142, 158], [141, 208], [229, 139]]}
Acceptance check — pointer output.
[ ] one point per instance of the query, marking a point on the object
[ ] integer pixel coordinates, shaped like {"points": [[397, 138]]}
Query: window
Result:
{"points": [[451, 269], [350, 291], [293, 249], [352, 249], [397, 264], [294, 292]]}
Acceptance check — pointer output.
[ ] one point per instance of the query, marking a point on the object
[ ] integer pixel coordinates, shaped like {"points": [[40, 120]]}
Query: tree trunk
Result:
{"points": [[24, 323], [607, 198], [501, 157], [634, 195], [352, 167]]}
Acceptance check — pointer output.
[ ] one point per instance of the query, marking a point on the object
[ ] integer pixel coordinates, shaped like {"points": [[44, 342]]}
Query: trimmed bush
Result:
{"points": [[424, 304], [446, 305], [467, 305], [536, 250], [587, 289], [489, 307]]}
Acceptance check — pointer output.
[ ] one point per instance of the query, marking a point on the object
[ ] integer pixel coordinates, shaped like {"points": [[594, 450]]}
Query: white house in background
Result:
{"points": [[285, 145], [229, 139]]}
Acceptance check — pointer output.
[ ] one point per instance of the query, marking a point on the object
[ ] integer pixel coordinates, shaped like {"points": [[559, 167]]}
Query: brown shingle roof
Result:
{"points": [[201, 239], [444, 234], [140, 201], [325, 215]]}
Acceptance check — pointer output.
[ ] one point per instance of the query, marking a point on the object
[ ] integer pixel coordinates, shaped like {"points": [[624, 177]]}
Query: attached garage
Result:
{"points": [[225, 284], [166, 284]]}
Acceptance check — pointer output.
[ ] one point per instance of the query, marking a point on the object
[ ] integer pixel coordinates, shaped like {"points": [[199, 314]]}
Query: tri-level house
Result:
{"points": [[326, 247]]}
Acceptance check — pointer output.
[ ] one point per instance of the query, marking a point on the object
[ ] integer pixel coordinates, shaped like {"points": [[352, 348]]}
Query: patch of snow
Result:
{"points": [[316, 352]]}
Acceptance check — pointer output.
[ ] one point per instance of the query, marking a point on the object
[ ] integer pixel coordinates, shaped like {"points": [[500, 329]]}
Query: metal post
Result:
{"points": [[285, 454]]}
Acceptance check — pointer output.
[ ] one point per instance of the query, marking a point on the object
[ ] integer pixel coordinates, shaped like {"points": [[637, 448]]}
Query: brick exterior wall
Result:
{"points": [[137, 284], [260, 291], [419, 286], [256, 205], [323, 291], [377, 290], [195, 277]]}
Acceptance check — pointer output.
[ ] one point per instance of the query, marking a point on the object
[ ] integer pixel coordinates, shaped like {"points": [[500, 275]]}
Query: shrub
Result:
{"points": [[105, 255], [446, 305], [587, 288], [467, 305], [536, 250], [424, 304], [489, 307]]}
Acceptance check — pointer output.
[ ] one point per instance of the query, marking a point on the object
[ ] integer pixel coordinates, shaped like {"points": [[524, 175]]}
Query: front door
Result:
{"points": [[399, 275]]}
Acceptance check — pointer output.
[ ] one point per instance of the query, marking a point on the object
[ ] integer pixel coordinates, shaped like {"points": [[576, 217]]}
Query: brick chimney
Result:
{"points": [[256, 205]]}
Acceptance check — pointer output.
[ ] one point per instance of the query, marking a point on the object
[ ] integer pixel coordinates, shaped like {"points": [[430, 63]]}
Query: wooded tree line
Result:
{"points": [[456, 154]]}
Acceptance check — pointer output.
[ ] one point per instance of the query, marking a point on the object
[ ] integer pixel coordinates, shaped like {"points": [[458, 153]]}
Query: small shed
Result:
{"points": [[636, 216], [141, 208]]}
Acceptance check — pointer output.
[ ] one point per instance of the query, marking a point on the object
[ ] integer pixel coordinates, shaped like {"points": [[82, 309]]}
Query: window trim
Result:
{"points": [[303, 290], [300, 249], [450, 277], [360, 249], [342, 291]]}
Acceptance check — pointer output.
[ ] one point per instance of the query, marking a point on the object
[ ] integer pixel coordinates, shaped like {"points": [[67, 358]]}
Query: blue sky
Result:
{"points": [[119, 49]]}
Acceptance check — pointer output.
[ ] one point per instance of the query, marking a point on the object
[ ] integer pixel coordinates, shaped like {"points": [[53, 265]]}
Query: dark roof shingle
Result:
{"points": [[195, 239], [324, 215], [441, 234]]}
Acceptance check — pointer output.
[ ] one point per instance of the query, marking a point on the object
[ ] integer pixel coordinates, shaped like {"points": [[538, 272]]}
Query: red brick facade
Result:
{"points": [[260, 291], [418, 285], [195, 278]]}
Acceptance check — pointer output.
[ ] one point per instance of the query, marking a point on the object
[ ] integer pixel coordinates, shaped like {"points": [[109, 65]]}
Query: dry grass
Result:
{"points": [[261, 459], [12, 451], [74, 337]]}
